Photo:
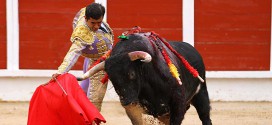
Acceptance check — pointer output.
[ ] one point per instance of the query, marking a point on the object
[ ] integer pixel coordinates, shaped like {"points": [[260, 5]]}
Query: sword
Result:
{"points": [[61, 86]]}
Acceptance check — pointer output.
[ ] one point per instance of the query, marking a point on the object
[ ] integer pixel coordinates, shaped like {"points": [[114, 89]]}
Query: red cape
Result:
{"points": [[50, 105]]}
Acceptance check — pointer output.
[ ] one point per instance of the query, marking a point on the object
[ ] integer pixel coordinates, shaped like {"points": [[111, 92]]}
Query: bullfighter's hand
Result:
{"points": [[54, 76]]}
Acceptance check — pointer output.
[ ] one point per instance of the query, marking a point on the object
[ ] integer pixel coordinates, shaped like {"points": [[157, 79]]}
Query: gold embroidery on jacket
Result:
{"points": [[83, 34]]}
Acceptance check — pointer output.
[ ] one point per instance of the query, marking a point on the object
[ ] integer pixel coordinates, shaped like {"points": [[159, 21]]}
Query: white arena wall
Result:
{"points": [[222, 86]]}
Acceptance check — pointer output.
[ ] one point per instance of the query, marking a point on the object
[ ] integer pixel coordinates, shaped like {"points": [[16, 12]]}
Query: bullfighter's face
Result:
{"points": [[94, 24]]}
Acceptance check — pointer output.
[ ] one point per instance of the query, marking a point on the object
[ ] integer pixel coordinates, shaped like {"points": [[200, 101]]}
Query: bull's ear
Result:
{"points": [[144, 56]]}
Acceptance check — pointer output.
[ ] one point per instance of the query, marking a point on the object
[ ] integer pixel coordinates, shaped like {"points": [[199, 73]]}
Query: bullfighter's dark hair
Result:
{"points": [[95, 11]]}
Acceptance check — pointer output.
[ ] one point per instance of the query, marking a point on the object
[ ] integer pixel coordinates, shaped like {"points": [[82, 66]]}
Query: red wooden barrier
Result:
{"points": [[233, 35], [3, 35]]}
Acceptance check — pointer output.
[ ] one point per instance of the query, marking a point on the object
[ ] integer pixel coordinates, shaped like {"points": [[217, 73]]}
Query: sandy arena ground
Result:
{"points": [[223, 113]]}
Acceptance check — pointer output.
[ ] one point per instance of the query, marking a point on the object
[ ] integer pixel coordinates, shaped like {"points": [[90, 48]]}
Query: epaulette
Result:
{"points": [[83, 33]]}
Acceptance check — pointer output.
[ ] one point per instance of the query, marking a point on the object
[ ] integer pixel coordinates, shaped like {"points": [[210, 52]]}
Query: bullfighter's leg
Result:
{"points": [[97, 89], [134, 112], [201, 102]]}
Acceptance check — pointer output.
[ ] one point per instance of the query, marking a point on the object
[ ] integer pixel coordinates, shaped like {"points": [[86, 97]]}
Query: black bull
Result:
{"points": [[149, 87]]}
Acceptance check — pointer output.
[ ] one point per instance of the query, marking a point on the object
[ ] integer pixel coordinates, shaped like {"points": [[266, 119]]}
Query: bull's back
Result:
{"points": [[195, 60], [190, 54]]}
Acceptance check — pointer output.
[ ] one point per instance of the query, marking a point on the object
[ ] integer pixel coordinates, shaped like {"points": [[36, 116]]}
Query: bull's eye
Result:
{"points": [[131, 75]]}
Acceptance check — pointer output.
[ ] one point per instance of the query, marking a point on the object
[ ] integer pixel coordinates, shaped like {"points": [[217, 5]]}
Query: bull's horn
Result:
{"points": [[144, 56], [95, 69]]}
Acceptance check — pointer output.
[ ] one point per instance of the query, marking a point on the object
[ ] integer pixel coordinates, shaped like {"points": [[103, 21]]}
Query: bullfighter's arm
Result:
{"points": [[71, 57]]}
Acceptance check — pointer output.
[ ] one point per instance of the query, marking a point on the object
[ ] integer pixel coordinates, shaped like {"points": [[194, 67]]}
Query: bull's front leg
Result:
{"points": [[165, 119], [178, 107], [134, 112]]}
